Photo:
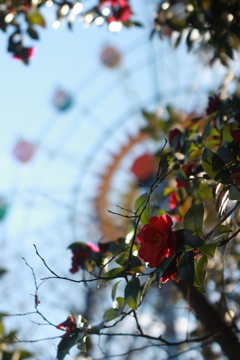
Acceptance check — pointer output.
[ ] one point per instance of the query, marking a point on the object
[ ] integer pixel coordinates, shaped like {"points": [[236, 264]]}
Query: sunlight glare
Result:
{"points": [[56, 24], [165, 5], [129, 237], [99, 20], [49, 3], [115, 26], [64, 10], [77, 9], [88, 18], [105, 11], [9, 17]]}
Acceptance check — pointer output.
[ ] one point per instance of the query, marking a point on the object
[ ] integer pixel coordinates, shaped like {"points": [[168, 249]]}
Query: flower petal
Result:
{"points": [[163, 223]]}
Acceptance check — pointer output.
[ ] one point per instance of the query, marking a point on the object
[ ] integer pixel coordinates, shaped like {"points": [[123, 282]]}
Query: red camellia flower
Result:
{"points": [[236, 135], [157, 240], [171, 271], [175, 133], [214, 103], [24, 54], [189, 170], [69, 326], [112, 3], [81, 252], [173, 200], [121, 10], [143, 167], [122, 14]]}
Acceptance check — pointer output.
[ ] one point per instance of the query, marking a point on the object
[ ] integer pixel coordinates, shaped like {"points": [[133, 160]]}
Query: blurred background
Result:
{"points": [[71, 115]]}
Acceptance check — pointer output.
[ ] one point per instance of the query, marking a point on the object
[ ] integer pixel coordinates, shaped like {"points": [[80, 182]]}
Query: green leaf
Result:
{"points": [[186, 267], [204, 191], [160, 269], [120, 303], [6, 355], [193, 152], [133, 293], [111, 314], [167, 191], [215, 167], [33, 33], [207, 123], [122, 259], [193, 219], [151, 117], [234, 193], [176, 141], [3, 209], [24, 355], [189, 41], [79, 247], [66, 344], [181, 175], [146, 285], [200, 267], [35, 18], [187, 240], [80, 320], [212, 143], [178, 40], [11, 336], [140, 204], [213, 132], [114, 290], [2, 271], [112, 274], [159, 212], [138, 24], [135, 264], [209, 249], [96, 329], [229, 50], [82, 346], [228, 128], [220, 230], [226, 154]]}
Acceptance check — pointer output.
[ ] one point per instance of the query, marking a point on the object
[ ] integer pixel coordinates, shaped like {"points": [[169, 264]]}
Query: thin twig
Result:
{"points": [[137, 322], [224, 242], [36, 295], [122, 208], [125, 216], [37, 340], [24, 314], [173, 343], [129, 351]]}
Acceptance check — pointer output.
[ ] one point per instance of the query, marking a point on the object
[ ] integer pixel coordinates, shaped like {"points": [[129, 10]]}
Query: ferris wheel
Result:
{"points": [[86, 160]]}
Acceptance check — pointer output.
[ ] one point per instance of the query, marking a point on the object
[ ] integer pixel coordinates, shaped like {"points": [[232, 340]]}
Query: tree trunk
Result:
{"points": [[209, 317]]}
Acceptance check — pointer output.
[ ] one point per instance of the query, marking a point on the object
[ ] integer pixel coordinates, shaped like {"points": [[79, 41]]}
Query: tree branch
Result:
{"points": [[211, 320]]}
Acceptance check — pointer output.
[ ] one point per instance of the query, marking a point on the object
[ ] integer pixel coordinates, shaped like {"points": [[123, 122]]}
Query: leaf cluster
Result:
{"points": [[211, 26]]}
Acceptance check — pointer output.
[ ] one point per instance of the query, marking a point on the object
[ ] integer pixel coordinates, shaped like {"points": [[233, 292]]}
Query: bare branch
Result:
{"points": [[37, 340], [128, 352]]}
